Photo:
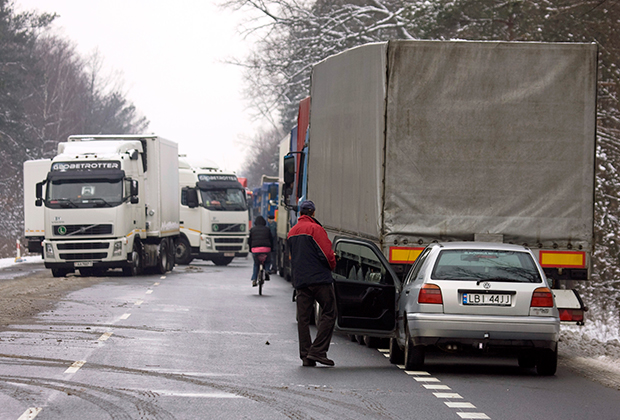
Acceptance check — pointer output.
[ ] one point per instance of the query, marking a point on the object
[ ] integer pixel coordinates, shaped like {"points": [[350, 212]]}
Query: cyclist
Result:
{"points": [[259, 242]]}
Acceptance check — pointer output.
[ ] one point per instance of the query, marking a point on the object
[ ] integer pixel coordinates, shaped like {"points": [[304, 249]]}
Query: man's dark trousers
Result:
{"points": [[324, 295]]}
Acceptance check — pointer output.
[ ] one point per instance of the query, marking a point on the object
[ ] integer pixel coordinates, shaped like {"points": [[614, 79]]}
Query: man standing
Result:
{"points": [[312, 261]]}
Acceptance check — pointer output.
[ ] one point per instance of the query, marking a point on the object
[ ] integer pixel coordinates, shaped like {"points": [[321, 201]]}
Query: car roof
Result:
{"points": [[497, 246]]}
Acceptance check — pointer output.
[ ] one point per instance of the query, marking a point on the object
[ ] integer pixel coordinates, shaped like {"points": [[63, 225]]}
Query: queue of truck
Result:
{"points": [[403, 144]]}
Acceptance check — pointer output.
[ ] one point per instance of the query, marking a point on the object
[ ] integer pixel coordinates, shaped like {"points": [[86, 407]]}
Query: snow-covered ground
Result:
{"points": [[7, 262]]}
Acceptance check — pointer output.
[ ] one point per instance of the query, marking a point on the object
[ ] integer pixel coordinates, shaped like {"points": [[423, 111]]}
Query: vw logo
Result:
{"points": [[62, 230], [486, 285]]}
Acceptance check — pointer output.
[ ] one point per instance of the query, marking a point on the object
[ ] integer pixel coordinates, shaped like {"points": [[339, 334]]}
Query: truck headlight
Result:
{"points": [[118, 248], [49, 250], [207, 240]]}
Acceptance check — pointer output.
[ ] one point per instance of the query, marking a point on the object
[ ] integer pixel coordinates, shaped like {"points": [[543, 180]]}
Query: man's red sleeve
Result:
{"points": [[320, 236]]}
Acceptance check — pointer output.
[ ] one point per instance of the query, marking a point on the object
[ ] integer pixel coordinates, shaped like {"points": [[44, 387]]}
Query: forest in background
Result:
{"points": [[47, 92]]}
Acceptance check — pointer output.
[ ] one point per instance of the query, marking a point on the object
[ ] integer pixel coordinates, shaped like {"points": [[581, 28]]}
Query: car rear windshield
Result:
{"points": [[486, 265]]}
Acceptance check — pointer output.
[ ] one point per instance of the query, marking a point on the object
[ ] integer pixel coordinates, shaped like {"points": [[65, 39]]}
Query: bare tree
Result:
{"points": [[263, 156]]}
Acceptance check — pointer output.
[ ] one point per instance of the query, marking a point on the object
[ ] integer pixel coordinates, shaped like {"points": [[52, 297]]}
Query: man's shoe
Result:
{"points": [[322, 360], [307, 362], [254, 284]]}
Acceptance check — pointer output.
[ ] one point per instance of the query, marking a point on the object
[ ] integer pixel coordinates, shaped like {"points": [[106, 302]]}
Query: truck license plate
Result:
{"points": [[83, 264], [484, 299], [229, 254]]}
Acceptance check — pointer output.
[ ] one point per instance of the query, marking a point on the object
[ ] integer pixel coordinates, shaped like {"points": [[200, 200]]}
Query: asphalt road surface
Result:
{"points": [[200, 343]]}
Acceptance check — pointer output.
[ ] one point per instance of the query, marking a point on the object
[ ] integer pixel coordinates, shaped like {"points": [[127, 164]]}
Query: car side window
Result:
{"points": [[415, 270], [358, 262]]}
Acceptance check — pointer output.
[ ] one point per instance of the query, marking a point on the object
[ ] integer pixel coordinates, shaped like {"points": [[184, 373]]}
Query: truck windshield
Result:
{"points": [[73, 193], [224, 199], [486, 265]]}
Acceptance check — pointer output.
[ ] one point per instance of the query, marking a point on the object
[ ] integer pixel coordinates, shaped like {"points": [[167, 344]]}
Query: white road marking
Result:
{"points": [[459, 404], [125, 316], [401, 367], [156, 284], [451, 395], [138, 302], [148, 292], [384, 350], [197, 394], [30, 413], [426, 379], [428, 386], [386, 354], [473, 416], [162, 277], [75, 366], [417, 373], [105, 336]]}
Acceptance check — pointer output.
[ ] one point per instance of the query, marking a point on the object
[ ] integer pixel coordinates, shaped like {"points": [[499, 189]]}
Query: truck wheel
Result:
{"points": [[59, 272], [171, 254], [183, 252], [397, 356], [547, 362], [414, 355], [222, 260], [162, 258], [136, 261]]}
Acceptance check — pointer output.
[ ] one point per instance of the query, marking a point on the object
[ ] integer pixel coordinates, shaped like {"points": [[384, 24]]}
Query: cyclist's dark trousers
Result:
{"points": [[257, 265], [324, 295]]}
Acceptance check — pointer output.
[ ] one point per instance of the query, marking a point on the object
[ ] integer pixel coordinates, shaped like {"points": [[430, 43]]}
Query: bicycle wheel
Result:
{"points": [[261, 280]]}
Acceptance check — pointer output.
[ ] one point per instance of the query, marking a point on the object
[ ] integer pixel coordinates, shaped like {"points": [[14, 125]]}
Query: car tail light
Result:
{"points": [[542, 298], [571, 315], [430, 293]]}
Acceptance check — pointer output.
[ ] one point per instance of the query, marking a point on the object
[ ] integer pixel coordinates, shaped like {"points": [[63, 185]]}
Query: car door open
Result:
{"points": [[366, 288]]}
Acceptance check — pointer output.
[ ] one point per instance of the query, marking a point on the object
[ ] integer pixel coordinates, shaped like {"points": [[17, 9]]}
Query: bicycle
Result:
{"points": [[262, 274]]}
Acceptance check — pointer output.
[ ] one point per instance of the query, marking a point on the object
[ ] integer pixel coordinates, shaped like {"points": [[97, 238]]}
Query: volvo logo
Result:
{"points": [[486, 285], [62, 230]]}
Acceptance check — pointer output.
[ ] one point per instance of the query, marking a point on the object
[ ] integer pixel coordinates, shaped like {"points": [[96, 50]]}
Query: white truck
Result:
{"points": [[419, 141], [34, 224], [214, 214], [111, 201]]}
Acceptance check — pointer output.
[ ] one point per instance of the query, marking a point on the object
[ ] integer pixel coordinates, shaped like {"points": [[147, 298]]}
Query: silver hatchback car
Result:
{"points": [[458, 297]]}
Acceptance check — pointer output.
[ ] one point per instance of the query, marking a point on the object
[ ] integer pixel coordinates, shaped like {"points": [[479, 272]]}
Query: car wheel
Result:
{"points": [[547, 362], [397, 356], [221, 261], [359, 339], [372, 342], [414, 355], [527, 360], [183, 252]]}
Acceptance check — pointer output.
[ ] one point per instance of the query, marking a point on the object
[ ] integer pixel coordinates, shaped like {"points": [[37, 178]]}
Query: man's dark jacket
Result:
{"points": [[312, 258]]}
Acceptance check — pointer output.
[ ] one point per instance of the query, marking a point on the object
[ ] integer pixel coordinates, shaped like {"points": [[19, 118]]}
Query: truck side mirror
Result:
{"points": [[134, 188], [39, 194], [192, 198], [289, 169]]}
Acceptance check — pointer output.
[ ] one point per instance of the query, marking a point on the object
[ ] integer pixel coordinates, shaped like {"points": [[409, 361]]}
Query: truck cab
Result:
{"points": [[214, 214]]}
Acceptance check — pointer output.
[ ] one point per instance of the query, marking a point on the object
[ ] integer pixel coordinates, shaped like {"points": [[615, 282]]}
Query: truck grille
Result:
{"points": [[83, 245], [228, 240], [77, 230], [85, 256], [228, 248], [228, 227]]}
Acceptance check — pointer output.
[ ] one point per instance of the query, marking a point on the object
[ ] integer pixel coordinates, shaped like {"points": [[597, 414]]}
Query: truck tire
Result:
{"points": [[59, 272], [221, 261], [171, 254], [162, 257], [183, 252], [135, 268]]}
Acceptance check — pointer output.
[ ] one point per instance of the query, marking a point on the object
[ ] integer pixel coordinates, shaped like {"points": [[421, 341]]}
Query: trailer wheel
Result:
{"points": [[162, 258], [183, 252]]}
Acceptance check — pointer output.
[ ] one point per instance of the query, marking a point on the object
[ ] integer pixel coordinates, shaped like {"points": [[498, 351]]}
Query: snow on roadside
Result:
{"points": [[7, 262]]}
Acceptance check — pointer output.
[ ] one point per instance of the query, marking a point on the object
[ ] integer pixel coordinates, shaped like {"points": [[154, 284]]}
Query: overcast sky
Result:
{"points": [[170, 54]]}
